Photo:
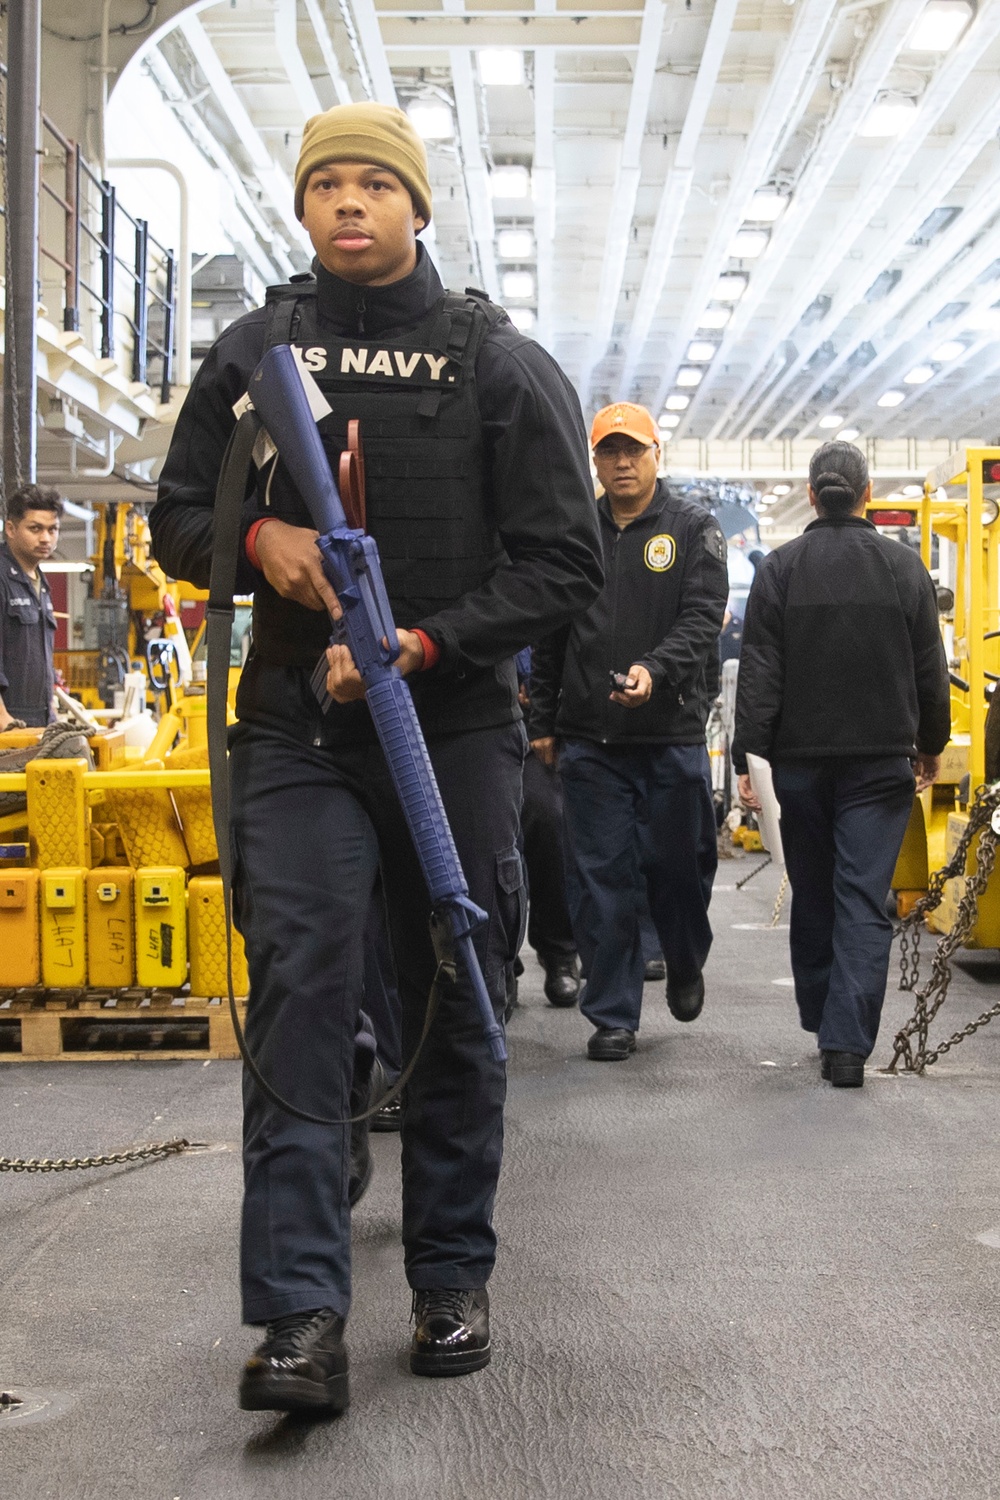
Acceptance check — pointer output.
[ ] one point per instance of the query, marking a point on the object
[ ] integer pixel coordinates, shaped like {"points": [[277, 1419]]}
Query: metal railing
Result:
{"points": [[114, 282]]}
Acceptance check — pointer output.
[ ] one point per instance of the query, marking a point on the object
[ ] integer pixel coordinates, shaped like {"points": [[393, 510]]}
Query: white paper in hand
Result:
{"points": [[769, 817]]}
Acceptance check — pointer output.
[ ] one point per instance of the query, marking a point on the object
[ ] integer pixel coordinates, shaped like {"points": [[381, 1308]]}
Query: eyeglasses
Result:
{"points": [[622, 447]]}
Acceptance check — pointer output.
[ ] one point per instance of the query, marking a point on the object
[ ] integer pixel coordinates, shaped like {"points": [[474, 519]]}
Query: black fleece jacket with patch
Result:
{"points": [[842, 653]]}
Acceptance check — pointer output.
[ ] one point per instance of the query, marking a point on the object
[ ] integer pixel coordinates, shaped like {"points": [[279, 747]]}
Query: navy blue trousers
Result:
{"points": [[310, 827], [842, 825], [638, 818], [550, 932]]}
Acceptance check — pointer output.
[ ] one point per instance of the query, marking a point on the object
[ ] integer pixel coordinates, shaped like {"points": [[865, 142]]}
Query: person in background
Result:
{"points": [[27, 619], [550, 932], [843, 687], [634, 761]]}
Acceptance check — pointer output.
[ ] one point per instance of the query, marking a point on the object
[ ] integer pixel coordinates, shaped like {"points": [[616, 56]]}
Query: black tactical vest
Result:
{"points": [[428, 506]]}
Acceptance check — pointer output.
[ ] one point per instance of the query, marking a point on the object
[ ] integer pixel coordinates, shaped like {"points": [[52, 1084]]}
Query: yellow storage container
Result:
{"points": [[160, 926], [110, 929], [20, 935], [64, 929], [207, 936]]}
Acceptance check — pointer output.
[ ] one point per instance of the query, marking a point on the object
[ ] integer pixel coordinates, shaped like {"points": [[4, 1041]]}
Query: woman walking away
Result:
{"points": [[843, 687]]}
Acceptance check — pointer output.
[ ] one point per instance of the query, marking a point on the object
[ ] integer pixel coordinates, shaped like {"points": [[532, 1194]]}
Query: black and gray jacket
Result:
{"points": [[662, 607], [842, 653], [27, 634]]}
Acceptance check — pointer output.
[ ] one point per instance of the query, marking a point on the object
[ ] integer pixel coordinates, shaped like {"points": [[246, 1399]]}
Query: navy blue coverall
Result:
{"points": [[27, 634]]}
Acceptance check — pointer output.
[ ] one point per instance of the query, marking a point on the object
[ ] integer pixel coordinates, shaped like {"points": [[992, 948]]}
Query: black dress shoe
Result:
{"points": [[845, 1070], [824, 1065], [390, 1116], [301, 1366], [362, 1164], [452, 1333], [656, 971], [610, 1044], [562, 979], [686, 1000]]}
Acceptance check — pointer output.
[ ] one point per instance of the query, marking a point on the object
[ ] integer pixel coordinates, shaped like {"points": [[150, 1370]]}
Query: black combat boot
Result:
{"points": [[452, 1333], [301, 1366]]}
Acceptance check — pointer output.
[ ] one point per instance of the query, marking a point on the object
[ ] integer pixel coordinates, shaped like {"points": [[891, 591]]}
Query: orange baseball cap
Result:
{"points": [[634, 421]]}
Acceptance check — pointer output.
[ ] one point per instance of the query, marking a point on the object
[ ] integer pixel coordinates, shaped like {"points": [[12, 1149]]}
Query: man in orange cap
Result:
{"points": [[633, 761]]}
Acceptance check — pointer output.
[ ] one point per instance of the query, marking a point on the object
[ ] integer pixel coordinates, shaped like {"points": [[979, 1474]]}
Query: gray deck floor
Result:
{"points": [[717, 1276]]}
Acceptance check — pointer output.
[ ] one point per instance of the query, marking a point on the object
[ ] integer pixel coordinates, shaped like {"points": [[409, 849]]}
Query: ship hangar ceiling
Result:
{"points": [[770, 221]]}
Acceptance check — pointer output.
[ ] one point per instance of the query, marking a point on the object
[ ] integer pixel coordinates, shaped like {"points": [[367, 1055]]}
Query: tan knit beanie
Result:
{"points": [[377, 133]]}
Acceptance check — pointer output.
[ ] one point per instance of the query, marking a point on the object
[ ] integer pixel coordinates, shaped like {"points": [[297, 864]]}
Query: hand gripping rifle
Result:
{"points": [[351, 563]]}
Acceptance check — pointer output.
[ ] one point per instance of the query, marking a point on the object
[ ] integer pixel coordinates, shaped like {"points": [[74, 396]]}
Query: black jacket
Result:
{"points": [[842, 654], [27, 634], [662, 606], [538, 486]]}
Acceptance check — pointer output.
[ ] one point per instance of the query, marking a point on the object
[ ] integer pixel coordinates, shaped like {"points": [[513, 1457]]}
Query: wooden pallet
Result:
{"points": [[42, 1025]]}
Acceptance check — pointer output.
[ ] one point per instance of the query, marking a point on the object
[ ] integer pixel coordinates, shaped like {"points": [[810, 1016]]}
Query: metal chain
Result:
{"points": [[930, 999], [80, 1163], [11, 353]]}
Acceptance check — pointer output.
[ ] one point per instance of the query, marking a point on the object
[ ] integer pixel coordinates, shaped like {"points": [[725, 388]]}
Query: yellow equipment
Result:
{"points": [[110, 929], [207, 928], [160, 927], [64, 929], [959, 507], [20, 934]]}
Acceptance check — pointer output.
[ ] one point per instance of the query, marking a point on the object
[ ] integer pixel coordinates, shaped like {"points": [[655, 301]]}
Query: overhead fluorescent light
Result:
{"points": [[848, 434], [939, 26], [888, 116], [522, 318], [765, 206], [701, 351], [747, 244], [987, 321], [432, 121], [689, 375], [669, 419], [677, 403], [730, 286], [892, 398], [765, 520], [510, 182], [951, 349], [832, 419], [501, 66], [520, 284], [515, 244], [715, 317], [919, 375], [911, 491], [782, 489], [767, 500]]}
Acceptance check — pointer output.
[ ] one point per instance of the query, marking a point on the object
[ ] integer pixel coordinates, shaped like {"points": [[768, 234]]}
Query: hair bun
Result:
{"points": [[830, 483]]}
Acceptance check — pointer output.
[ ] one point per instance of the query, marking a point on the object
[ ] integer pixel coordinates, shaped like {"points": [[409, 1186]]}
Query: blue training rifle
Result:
{"points": [[351, 564]]}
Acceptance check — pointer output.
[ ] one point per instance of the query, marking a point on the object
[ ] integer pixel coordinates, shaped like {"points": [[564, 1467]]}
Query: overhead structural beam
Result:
{"points": [[880, 249], [23, 90], [544, 187], [980, 364], [477, 183], [272, 179], [878, 58], [330, 59], [676, 190], [609, 33], [915, 323], [920, 290], [369, 26], [624, 193], [286, 37], [270, 262]]}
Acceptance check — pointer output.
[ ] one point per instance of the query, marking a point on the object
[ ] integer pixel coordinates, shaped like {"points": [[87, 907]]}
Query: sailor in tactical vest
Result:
{"points": [[480, 500]]}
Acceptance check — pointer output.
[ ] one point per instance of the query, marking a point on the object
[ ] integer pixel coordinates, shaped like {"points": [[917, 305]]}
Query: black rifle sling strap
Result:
{"points": [[227, 532]]}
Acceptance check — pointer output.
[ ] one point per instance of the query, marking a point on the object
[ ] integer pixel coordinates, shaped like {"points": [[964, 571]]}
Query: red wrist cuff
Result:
{"points": [[432, 651], [250, 545]]}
